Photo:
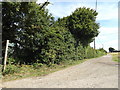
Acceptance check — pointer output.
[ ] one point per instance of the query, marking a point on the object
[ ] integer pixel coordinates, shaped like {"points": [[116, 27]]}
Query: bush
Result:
{"points": [[11, 61], [37, 65], [44, 40], [10, 69]]}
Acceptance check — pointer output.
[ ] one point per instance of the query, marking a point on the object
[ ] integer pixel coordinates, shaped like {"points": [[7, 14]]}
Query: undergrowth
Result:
{"points": [[14, 72]]}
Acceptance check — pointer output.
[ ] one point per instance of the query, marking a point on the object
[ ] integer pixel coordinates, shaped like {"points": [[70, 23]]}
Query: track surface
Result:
{"points": [[96, 73]]}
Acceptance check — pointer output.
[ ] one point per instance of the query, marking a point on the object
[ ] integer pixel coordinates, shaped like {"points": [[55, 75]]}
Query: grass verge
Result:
{"points": [[25, 71], [115, 57]]}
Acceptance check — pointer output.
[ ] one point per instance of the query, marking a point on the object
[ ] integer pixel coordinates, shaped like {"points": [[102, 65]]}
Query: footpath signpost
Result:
{"points": [[6, 51]]}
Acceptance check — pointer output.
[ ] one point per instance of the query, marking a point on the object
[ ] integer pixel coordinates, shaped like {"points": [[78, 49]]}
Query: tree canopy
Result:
{"points": [[111, 49], [82, 24]]}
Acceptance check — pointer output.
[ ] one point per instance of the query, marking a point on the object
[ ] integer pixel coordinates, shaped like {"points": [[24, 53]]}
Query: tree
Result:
{"points": [[111, 49], [102, 49], [9, 22], [26, 26], [82, 25], [37, 38]]}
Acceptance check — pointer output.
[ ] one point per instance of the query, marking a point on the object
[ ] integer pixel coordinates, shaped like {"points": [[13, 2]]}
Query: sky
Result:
{"points": [[107, 18]]}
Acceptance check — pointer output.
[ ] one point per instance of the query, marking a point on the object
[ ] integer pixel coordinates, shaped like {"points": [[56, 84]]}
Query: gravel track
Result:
{"points": [[96, 73]]}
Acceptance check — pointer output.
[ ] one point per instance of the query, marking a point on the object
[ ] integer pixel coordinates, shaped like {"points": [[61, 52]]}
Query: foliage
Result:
{"points": [[37, 65], [10, 69], [82, 25], [29, 70], [37, 39], [102, 49], [11, 60], [111, 49], [24, 25]]}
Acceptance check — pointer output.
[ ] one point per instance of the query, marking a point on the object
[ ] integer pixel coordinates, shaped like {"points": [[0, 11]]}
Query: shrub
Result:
{"points": [[11, 61], [10, 69], [37, 65]]}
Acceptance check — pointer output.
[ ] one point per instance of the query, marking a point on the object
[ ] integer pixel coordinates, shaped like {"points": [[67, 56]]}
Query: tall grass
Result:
{"points": [[115, 57]]}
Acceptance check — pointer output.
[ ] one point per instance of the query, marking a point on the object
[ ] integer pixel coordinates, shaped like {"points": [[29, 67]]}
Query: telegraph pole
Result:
{"points": [[95, 10], [96, 6], [94, 44]]}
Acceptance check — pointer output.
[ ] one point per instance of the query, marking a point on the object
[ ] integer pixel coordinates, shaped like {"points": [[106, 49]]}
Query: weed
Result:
{"points": [[10, 69]]}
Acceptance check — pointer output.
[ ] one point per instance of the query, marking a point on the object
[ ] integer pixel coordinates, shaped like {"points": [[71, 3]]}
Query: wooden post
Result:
{"points": [[6, 51]]}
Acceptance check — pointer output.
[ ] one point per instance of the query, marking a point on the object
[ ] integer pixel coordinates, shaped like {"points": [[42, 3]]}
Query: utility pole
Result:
{"points": [[96, 10], [94, 44], [102, 46], [96, 6]]}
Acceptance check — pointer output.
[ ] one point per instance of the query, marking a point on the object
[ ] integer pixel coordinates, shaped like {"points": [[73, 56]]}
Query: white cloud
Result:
{"points": [[107, 38], [108, 30], [84, 0], [112, 43], [41, 1], [107, 11], [59, 10]]}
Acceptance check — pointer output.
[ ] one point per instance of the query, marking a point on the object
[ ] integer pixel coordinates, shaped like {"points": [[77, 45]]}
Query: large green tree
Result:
{"points": [[25, 24], [82, 24], [9, 22]]}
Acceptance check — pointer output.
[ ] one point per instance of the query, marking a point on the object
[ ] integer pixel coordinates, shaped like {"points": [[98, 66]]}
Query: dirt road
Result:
{"points": [[96, 73]]}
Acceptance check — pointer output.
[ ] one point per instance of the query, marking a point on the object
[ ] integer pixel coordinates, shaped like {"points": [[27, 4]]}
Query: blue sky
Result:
{"points": [[107, 17]]}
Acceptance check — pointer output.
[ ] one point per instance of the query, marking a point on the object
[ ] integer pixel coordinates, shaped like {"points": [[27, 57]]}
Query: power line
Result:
{"points": [[98, 42], [101, 42]]}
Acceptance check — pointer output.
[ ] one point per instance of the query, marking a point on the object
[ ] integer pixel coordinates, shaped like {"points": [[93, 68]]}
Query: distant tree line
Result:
{"points": [[36, 37], [113, 50]]}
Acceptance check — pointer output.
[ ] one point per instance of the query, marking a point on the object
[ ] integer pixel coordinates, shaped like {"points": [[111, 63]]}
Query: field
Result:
{"points": [[116, 57]]}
